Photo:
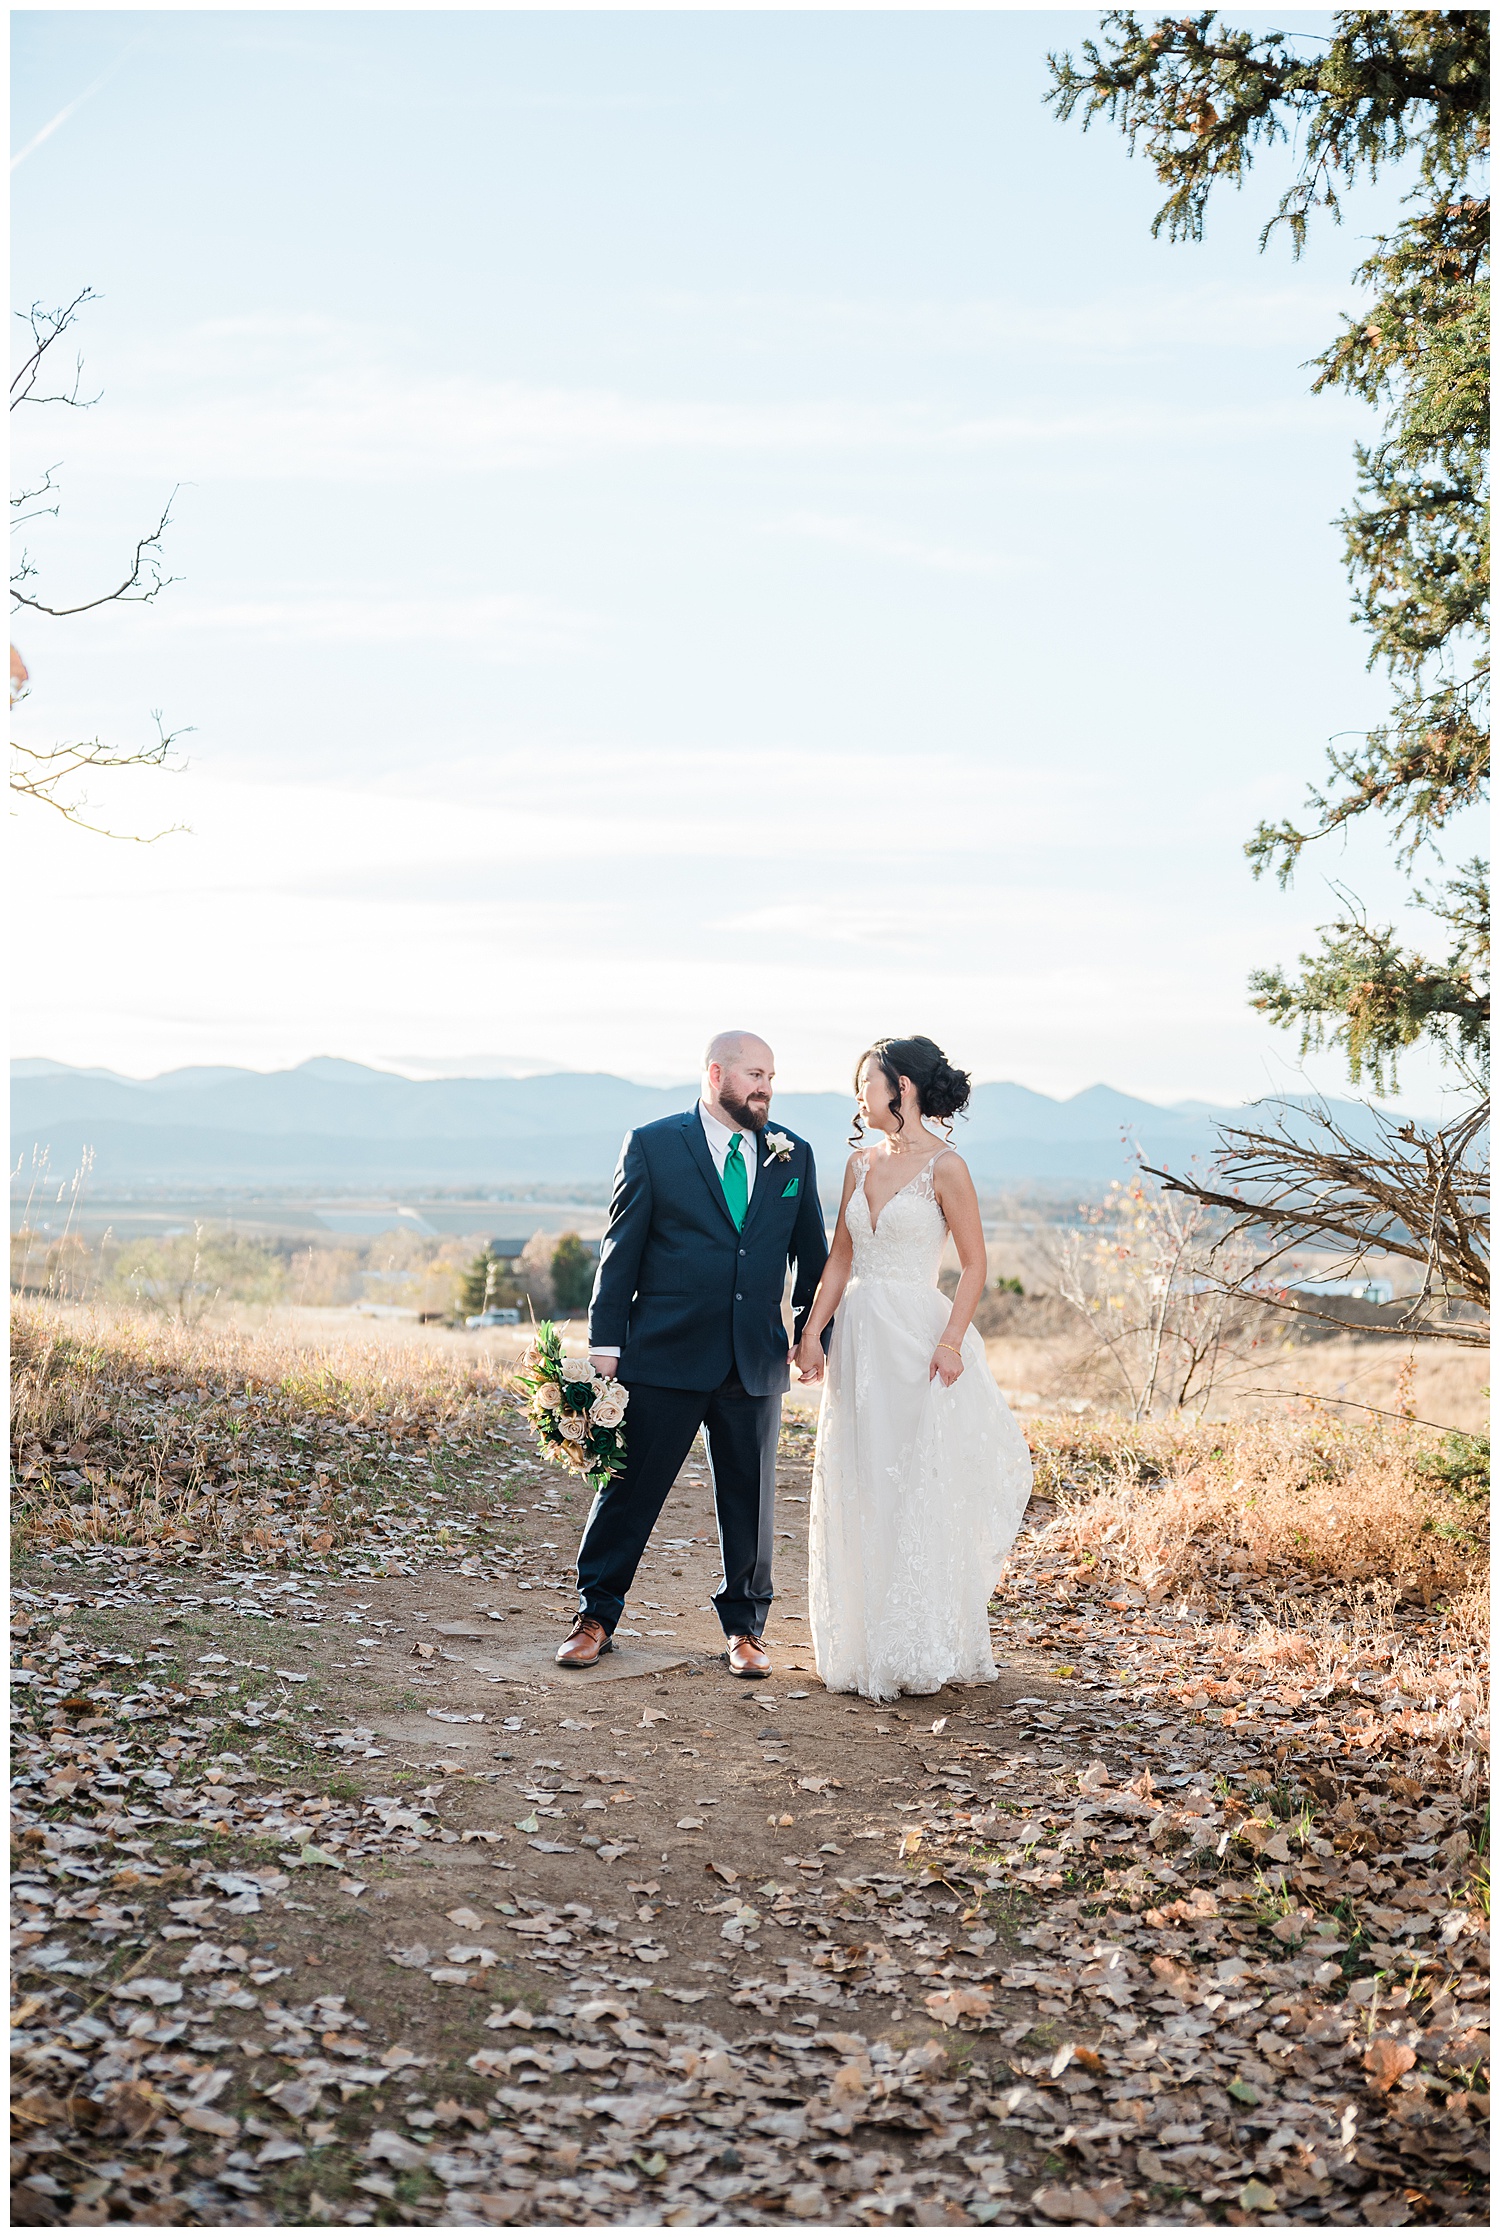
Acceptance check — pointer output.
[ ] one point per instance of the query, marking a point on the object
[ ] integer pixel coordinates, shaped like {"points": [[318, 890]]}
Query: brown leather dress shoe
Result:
{"points": [[747, 1658], [584, 1644]]}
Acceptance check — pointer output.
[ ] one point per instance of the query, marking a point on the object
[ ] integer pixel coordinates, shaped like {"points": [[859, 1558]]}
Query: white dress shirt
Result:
{"points": [[718, 1136]]}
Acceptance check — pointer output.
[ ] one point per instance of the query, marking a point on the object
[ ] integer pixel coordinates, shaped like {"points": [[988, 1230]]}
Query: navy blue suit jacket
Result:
{"points": [[685, 1295]]}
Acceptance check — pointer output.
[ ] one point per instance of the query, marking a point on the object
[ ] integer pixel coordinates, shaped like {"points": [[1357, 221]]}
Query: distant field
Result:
{"points": [[1045, 1372]]}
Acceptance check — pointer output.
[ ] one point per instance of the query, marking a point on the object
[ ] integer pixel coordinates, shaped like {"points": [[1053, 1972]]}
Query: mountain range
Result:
{"points": [[329, 1122]]}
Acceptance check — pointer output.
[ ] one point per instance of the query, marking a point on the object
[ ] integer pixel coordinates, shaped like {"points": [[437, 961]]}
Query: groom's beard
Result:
{"points": [[751, 1115]]}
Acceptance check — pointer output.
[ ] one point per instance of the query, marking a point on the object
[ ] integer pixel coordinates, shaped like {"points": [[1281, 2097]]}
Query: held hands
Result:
{"points": [[947, 1365], [808, 1359]]}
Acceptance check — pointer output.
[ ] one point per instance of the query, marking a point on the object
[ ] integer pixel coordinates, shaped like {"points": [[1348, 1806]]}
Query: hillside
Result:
{"points": [[330, 1121]]}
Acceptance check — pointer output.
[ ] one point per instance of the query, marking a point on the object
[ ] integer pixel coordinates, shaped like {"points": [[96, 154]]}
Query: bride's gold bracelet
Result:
{"points": [[950, 1348]]}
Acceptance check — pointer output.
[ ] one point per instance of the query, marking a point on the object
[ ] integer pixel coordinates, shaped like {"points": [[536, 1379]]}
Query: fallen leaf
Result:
{"points": [[471, 1953], [209, 2123], [279, 2148], [150, 1991], [1386, 2210], [419, 1955], [1096, 2207], [949, 2006], [1386, 2061], [395, 2150]]}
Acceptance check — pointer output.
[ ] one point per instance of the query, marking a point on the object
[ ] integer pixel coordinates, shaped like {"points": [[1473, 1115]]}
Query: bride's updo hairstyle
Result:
{"points": [[942, 1090]]}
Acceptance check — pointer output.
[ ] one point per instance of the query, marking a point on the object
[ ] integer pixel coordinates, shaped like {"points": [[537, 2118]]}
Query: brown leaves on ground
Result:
{"points": [[149, 1437], [1200, 1926]]}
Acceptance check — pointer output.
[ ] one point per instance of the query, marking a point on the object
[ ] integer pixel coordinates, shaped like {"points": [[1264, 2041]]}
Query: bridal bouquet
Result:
{"points": [[578, 1416]]}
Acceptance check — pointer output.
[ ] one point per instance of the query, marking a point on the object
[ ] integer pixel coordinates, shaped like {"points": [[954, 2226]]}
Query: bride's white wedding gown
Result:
{"points": [[918, 1490]]}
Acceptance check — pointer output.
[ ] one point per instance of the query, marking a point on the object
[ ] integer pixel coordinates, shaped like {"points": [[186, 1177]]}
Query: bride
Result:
{"points": [[922, 1473]]}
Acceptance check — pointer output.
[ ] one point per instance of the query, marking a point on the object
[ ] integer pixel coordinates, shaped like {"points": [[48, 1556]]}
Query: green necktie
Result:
{"points": [[736, 1186]]}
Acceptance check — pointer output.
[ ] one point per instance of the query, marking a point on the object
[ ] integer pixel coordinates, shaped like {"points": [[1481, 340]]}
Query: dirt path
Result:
{"points": [[340, 1903]]}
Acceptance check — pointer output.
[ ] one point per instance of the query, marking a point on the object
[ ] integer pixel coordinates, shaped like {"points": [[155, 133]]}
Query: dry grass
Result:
{"points": [[1333, 1499], [1440, 1382], [133, 1431], [1342, 1560]]}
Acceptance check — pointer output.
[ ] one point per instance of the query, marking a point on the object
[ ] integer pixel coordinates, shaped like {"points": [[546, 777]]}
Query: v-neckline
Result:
{"points": [[876, 1217]]}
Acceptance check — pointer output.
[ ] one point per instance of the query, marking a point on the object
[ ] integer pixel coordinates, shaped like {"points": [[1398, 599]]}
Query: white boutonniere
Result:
{"points": [[779, 1147]]}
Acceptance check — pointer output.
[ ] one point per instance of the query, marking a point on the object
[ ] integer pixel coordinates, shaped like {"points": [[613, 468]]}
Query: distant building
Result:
{"points": [[509, 1250], [1368, 1292]]}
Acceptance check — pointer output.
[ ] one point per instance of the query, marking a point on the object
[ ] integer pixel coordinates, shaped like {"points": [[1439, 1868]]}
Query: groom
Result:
{"points": [[708, 1211]]}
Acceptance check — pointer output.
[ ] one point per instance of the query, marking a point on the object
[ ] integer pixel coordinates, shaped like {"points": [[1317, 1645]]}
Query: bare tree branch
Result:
{"points": [[46, 327], [1146, 1282], [44, 773], [46, 487], [48, 774], [144, 582], [1416, 1196]]}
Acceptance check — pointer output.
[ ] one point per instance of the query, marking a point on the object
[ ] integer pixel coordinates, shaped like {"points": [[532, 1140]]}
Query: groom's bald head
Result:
{"points": [[727, 1048], [738, 1069]]}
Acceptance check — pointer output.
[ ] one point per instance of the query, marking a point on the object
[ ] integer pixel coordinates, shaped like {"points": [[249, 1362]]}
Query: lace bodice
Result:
{"points": [[906, 1243]]}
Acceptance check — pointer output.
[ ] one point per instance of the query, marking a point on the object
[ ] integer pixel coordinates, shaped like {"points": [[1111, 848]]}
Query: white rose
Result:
{"points": [[573, 1427], [606, 1413], [548, 1398], [577, 1371], [609, 1388]]}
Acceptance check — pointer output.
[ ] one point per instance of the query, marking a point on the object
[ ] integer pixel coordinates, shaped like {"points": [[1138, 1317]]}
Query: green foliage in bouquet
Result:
{"points": [[578, 1416]]}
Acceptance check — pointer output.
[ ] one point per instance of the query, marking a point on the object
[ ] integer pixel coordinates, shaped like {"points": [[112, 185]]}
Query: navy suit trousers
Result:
{"points": [[740, 1432]]}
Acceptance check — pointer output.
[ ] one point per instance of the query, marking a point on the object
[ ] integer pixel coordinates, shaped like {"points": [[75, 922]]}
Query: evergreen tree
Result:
{"points": [[572, 1274], [476, 1283], [1386, 85]]}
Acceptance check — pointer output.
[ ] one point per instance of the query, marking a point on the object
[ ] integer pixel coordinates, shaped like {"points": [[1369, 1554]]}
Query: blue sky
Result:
{"points": [[685, 519]]}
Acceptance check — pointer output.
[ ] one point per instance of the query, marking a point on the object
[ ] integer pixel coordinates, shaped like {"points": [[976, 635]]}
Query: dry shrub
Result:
{"points": [[1366, 1547], [1163, 1503], [129, 1430]]}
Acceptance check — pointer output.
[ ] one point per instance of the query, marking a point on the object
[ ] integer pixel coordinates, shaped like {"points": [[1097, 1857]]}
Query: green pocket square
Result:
{"points": [[790, 1189]]}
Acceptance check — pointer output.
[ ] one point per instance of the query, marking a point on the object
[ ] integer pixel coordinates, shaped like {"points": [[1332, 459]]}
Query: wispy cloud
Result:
{"points": [[1140, 323], [70, 108], [508, 629], [854, 534], [316, 400]]}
